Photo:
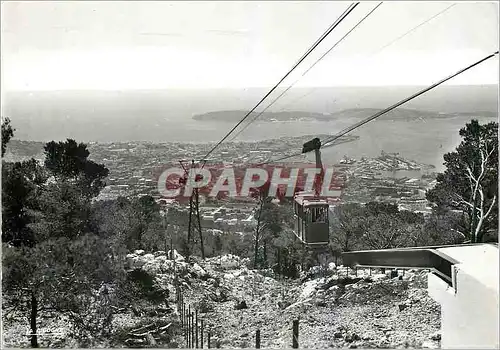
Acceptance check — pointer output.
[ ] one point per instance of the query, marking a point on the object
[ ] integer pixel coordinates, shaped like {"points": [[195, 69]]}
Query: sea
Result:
{"points": [[166, 116]]}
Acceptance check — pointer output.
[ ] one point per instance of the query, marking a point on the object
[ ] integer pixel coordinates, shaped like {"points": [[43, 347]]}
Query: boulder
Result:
{"points": [[161, 259], [241, 305], [149, 257], [379, 277], [428, 344], [229, 261], [136, 262], [198, 270], [436, 336], [351, 337], [309, 289], [320, 303], [402, 306], [333, 289], [366, 336], [175, 255], [283, 304]]}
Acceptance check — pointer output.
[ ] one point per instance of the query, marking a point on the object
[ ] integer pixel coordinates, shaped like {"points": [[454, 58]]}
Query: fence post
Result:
{"points": [[295, 336], [356, 271], [196, 327], [201, 333], [191, 340], [186, 330], [347, 272], [184, 326], [182, 309], [192, 329], [208, 339], [189, 326], [183, 312], [370, 271], [257, 339]]}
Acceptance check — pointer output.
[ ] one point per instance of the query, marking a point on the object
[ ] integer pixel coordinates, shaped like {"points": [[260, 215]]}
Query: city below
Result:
{"points": [[135, 167]]}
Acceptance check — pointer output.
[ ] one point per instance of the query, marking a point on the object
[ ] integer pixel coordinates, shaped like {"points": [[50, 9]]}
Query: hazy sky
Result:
{"points": [[150, 45]]}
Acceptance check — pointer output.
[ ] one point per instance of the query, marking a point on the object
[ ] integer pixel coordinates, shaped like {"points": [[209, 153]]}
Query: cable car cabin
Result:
{"points": [[311, 219]]}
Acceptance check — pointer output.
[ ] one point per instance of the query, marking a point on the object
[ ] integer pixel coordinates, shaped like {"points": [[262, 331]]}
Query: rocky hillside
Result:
{"points": [[336, 308]]}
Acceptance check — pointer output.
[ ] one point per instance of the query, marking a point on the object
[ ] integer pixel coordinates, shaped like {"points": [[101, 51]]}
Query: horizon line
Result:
{"points": [[239, 88]]}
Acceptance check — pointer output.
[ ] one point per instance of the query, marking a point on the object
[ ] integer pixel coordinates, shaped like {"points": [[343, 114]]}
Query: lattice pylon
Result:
{"points": [[194, 221]]}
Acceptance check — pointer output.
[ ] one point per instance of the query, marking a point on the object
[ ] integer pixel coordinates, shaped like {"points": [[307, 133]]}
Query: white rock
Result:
{"points": [[229, 261], [176, 255], [162, 259], [315, 269], [152, 268], [149, 257], [309, 289], [198, 270], [379, 277], [298, 303], [268, 279], [429, 345], [139, 252], [137, 262], [435, 336]]}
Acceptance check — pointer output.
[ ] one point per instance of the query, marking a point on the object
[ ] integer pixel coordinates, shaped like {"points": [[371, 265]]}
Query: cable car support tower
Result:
{"points": [[194, 221]]}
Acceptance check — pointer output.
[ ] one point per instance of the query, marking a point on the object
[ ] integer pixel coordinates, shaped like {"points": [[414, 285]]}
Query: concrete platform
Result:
{"points": [[469, 307]]}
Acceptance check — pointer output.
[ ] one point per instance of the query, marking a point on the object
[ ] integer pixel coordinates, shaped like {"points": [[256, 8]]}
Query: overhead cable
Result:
{"points": [[325, 143], [392, 42], [388, 109], [328, 31], [303, 74]]}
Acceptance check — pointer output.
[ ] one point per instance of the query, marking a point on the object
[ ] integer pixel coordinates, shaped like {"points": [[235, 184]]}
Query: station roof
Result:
{"points": [[480, 261], [477, 260]]}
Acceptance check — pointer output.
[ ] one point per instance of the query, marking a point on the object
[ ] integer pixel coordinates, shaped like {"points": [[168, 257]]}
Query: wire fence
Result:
{"points": [[197, 336]]}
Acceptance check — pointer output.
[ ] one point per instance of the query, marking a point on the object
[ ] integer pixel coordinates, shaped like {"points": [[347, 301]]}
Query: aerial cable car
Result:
{"points": [[311, 209]]}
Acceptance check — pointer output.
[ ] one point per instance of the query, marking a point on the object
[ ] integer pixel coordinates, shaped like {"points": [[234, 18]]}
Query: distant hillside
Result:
{"points": [[18, 150], [397, 114], [236, 115], [407, 114]]}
